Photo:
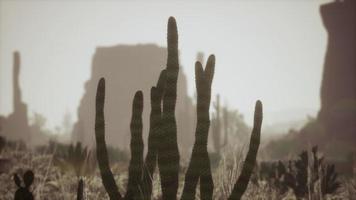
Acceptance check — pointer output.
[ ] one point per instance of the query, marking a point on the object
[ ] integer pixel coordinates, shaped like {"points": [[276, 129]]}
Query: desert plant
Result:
{"points": [[168, 154], [163, 137], [199, 166], [153, 136], [216, 127], [307, 178], [329, 182], [2, 143], [226, 123], [80, 190], [23, 192], [76, 158], [305, 175]]}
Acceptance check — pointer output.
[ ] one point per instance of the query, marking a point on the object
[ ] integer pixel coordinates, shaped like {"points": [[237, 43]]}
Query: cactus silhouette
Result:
{"points": [[168, 154], [153, 136], [24, 193], [80, 190], [199, 166], [162, 140], [2, 143], [136, 145], [250, 160], [140, 178], [216, 128], [101, 150]]}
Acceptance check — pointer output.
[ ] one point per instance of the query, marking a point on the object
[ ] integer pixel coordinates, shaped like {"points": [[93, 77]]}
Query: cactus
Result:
{"points": [[162, 139], [217, 128], [250, 160], [24, 193], [329, 182], [168, 154], [304, 174], [101, 150], [199, 166], [155, 126], [136, 145], [80, 190], [2, 143], [136, 170]]}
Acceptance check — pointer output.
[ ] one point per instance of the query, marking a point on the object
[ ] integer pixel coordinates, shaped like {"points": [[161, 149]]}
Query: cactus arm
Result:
{"points": [[226, 128], [136, 145], [168, 153], [250, 161], [199, 166], [216, 126], [17, 180], [28, 178], [101, 150], [172, 69], [80, 189], [206, 179], [155, 119], [193, 171]]}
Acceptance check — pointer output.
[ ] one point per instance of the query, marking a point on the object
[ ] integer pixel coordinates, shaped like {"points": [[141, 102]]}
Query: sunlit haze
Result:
{"points": [[269, 50]]}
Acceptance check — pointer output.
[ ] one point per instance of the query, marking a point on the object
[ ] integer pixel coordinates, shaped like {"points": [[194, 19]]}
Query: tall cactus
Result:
{"points": [[199, 166], [250, 160], [135, 167], [162, 140], [140, 178], [168, 154], [153, 135], [101, 150], [217, 127]]}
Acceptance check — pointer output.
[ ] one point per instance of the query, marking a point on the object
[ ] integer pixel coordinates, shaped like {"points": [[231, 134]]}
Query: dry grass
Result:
{"points": [[51, 183]]}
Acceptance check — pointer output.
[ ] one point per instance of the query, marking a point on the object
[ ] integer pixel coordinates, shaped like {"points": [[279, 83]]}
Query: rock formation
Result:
{"points": [[128, 68], [334, 129], [15, 126], [338, 90]]}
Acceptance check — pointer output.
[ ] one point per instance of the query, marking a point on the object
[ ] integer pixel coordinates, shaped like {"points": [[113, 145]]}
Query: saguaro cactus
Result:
{"points": [[140, 175], [250, 160], [153, 136], [217, 128], [101, 150], [168, 154], [136, 145], [162, 140], [199, 166]]}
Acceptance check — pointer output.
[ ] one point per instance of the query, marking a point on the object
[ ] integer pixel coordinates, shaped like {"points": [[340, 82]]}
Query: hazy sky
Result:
{"points": [[271, 50]]}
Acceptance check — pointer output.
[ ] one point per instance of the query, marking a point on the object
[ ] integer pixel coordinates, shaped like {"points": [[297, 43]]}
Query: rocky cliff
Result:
{"points": [[338, 91], [128, 68]]}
